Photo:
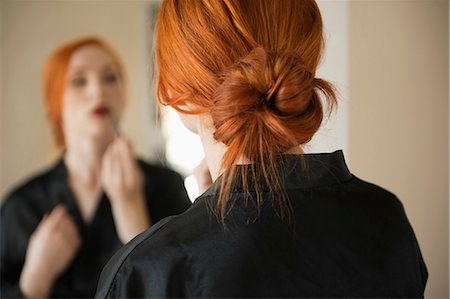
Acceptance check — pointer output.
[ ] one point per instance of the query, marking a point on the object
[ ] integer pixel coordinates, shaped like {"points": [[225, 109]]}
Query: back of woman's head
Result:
{"points": [[54, 79], [251, 65]]}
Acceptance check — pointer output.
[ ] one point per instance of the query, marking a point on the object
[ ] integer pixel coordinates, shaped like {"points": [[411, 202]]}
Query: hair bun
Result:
{"points": [[272, 95]]}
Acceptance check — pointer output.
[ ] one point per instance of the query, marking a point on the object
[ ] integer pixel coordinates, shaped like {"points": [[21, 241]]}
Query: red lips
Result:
{"points": [[101, 111]]}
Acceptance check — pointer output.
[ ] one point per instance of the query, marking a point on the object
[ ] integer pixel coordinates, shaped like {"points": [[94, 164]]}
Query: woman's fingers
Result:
{"points": [[123, 181], [106, 165], [71, 232], [117, 170], [55, 216], [128, 162], [127, 174], [63, 222]]}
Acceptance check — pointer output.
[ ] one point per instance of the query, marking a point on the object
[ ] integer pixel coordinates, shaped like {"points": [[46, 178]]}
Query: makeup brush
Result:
{"points": [[114, 126]]}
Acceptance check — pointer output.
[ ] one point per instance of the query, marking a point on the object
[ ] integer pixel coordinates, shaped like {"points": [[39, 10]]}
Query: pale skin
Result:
{"points": [[97, 160], [209, 168]]}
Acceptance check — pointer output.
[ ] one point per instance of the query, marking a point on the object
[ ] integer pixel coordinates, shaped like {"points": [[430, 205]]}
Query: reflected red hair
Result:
{"points": [[251, 65], [54, 79]]}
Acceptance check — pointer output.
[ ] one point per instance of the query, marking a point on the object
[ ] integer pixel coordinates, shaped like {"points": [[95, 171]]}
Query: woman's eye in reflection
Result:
{"points": [[79, 81], [110, 78]]}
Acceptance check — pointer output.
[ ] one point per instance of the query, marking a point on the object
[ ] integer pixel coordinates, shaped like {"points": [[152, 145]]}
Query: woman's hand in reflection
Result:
{"points": [[122, 181], [203, 176], [51, 249]]}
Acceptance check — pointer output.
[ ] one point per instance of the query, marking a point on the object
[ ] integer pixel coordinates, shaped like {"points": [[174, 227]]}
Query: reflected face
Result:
{"points": [[94, 94]]}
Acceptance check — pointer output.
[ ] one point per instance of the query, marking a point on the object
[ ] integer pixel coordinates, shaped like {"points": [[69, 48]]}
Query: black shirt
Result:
{"points": [[24, 208], [350, 238]]}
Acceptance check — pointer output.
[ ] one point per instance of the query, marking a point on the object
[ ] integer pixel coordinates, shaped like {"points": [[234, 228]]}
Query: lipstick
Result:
{"points": [[101, 111]]}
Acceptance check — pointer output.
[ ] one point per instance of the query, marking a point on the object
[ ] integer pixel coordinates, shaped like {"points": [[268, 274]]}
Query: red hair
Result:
{"points": [[54, 79], [251, 65]]}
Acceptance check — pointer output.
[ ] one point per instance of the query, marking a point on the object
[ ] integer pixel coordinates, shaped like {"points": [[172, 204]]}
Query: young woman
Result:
{"points": [[276, 222], [60, 227]]}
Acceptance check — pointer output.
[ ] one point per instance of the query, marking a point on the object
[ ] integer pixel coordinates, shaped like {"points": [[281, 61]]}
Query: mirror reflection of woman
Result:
{"points": [[59, 228]]}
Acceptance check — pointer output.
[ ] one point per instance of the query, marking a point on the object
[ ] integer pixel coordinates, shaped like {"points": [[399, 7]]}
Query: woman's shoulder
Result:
{"points": [[372, 192], [28, 190], [366, 201]]}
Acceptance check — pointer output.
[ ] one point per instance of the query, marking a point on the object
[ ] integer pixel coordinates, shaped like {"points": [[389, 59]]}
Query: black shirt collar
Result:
{"points": [[303, 171]]}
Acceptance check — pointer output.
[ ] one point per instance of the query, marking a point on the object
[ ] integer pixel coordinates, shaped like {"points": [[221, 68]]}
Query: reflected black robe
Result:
{"points": [[350, 238], [23, 209]]}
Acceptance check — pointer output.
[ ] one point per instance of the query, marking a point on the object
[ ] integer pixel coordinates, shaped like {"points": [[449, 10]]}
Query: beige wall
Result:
{"points": [[31, 30], [333, 134], [399, 115]]}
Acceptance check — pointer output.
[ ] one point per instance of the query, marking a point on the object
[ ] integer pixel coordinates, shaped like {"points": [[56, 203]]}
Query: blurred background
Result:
{"points": [[388, 59]]}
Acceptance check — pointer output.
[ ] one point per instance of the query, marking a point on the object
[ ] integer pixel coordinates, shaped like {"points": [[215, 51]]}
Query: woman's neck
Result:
{"points": [[83, 158], [214, 151]]}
